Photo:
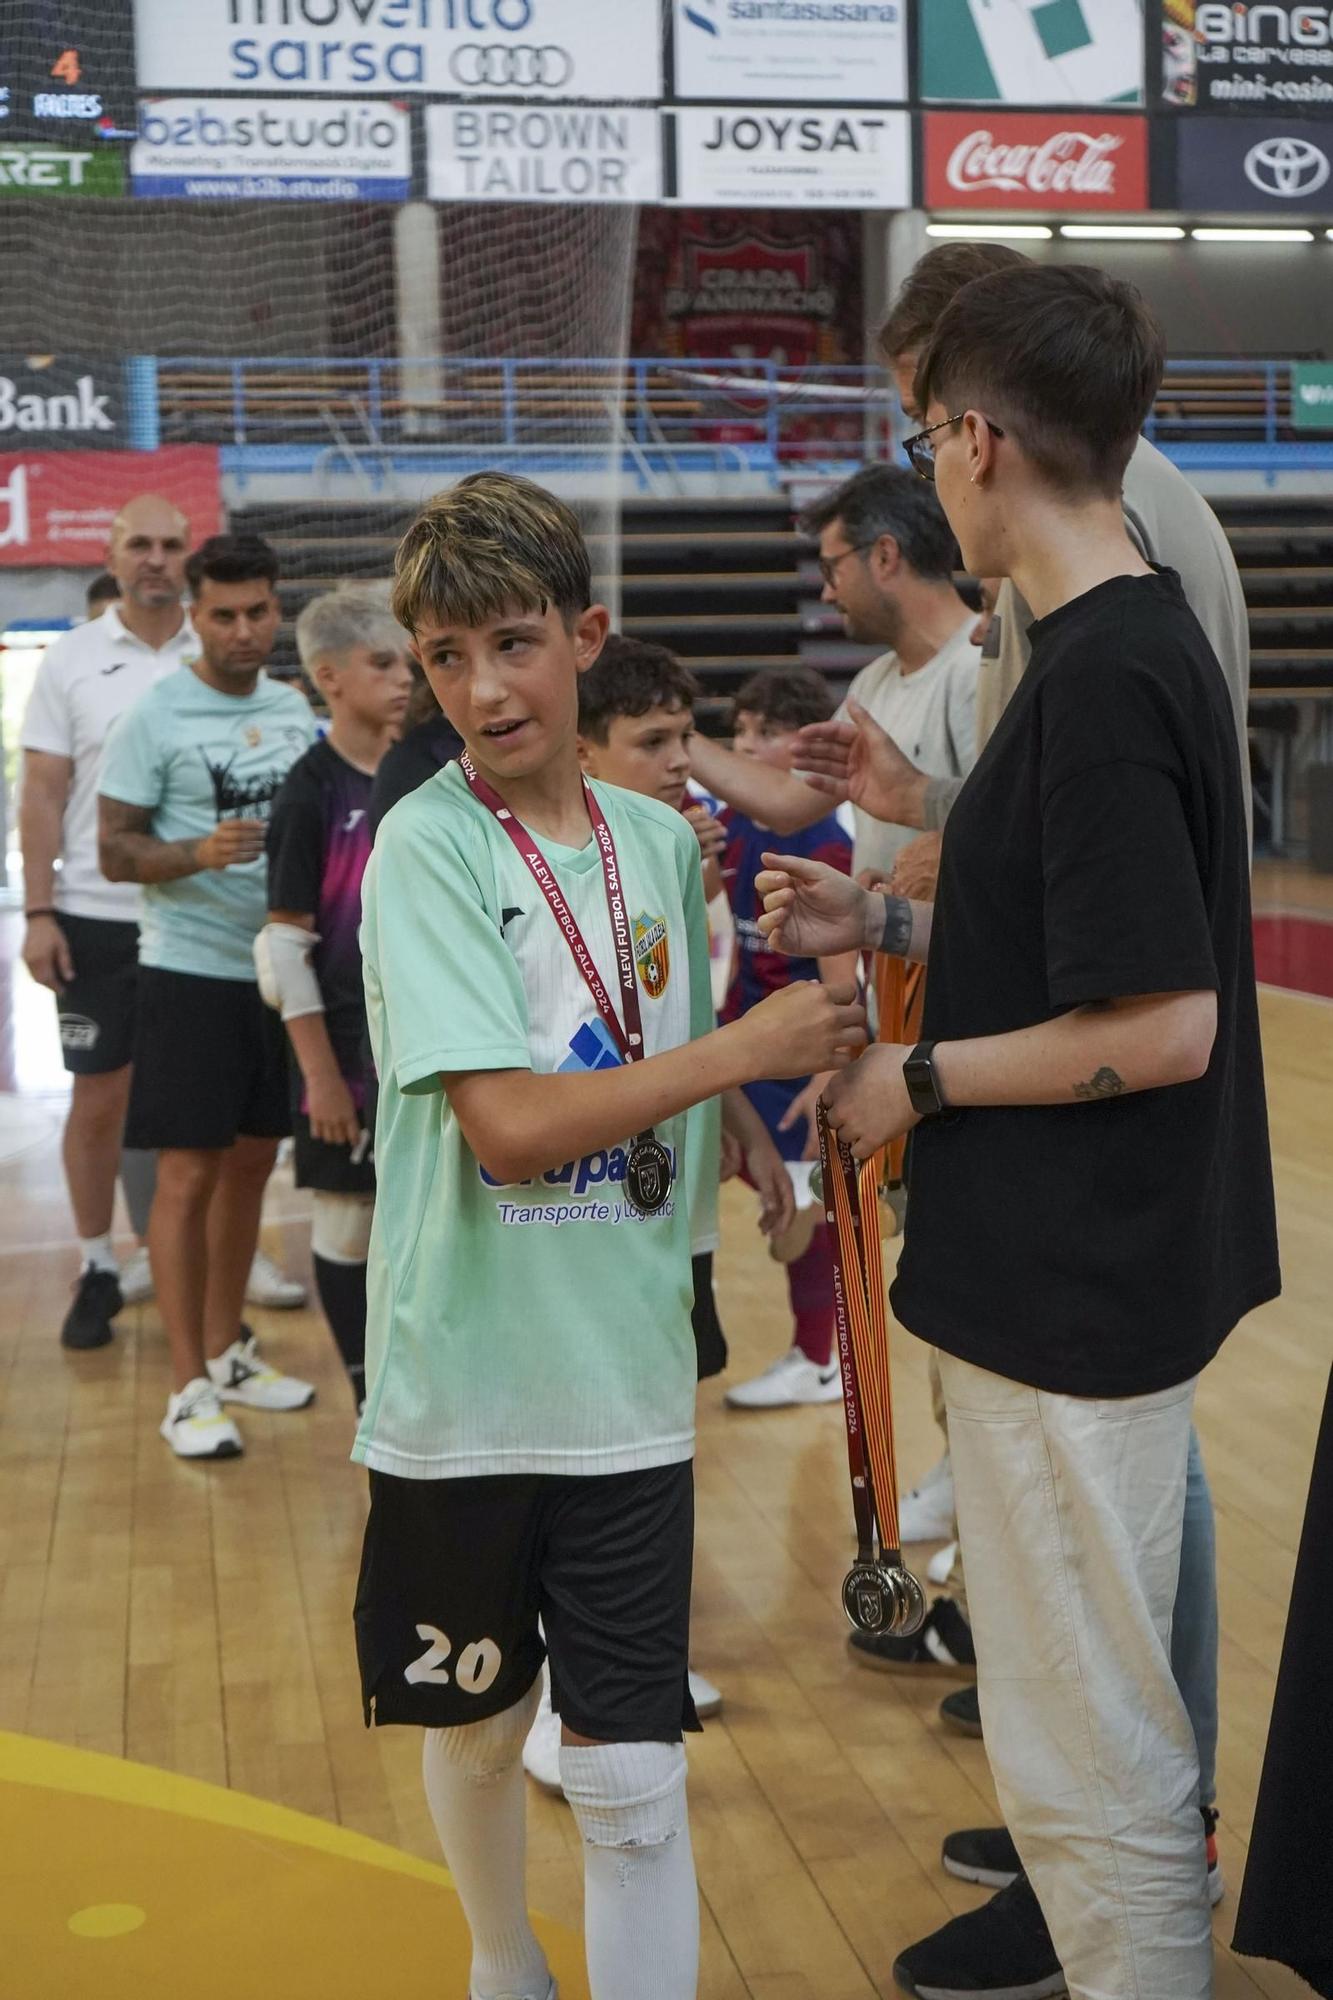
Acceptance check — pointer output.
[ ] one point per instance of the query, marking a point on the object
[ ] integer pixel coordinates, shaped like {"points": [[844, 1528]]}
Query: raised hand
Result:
{"points": [[858, 761], [708, 831], [811, 910], [803, 1026]]}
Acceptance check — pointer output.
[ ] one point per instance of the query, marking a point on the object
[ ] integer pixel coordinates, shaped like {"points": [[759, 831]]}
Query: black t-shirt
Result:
{"points": [[1098, 851], [318, 847], [421, 753]]}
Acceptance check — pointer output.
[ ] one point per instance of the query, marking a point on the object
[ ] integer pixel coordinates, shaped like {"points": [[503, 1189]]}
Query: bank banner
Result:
{"points": [[1312, 395], [768, 157], [543, 152], [56, 508], [608, 49], [57, 170], [61, 401], [272, 149], [1282, 169], [1277, 58], [1036, 160], [795, 51], [1031, 51]]}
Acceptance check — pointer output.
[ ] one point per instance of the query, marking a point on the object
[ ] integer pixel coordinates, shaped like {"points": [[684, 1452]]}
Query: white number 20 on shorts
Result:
{"points": [[476, 1668]]}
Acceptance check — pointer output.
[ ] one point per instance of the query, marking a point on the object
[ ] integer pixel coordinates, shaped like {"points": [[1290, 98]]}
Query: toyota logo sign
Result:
{"points": [[515, 65], [1288, 168]]}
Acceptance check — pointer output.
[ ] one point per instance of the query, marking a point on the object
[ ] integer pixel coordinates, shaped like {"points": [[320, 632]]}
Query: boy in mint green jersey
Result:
{"points": [[537, 989]]}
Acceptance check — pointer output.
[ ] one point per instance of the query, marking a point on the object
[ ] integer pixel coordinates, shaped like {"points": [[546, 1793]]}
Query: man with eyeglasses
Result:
{"points": [[887, 558]]}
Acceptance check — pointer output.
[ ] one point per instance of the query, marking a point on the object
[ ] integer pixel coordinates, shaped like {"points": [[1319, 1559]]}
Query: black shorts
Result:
{"points": [[210, 1064], [328, 1169], [456, 1573], [96, 1009], [710, 1343]]}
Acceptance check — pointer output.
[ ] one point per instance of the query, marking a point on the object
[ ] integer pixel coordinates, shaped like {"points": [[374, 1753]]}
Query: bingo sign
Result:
{"points": [[1267, 58], [448, 48], [1016, 159]]}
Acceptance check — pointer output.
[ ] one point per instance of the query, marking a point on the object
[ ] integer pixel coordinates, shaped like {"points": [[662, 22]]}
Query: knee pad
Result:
{"points": [[625, 1795], [340, 1227], [483, 1752]]}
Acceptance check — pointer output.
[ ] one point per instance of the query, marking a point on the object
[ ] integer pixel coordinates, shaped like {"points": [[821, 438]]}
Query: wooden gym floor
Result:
{"points": [[198, 1619]]}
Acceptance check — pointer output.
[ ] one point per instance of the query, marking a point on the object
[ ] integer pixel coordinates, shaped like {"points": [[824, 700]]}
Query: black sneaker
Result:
{"points": [[97, 1300], [984, 1854], [1002, 1951], [961, 1712], [942, 1646]]}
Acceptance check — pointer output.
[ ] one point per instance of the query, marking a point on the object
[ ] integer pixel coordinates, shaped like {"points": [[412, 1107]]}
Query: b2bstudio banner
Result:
{"points": [[778, 158], [794, 51], [59, 401], [56, 508], [1031, 51], [1279, 168], [542, 152], [609, 49], [255, 148], [1036, 160], [1223, 55]]}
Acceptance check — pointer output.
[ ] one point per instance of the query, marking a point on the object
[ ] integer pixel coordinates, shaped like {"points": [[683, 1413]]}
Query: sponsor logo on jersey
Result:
{"points": [[604, 1169], [78, 1032], [652, 953]]}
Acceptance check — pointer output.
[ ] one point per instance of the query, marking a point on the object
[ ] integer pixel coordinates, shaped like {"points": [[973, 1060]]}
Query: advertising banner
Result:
{"points": [[1036, 160], [59, 401], [1279, 168], [773, 158], [608, 49], [1032, 51], [1274, 57], [1312, 395], [271, 149], [57, 507], [67, 72], [47, 170], [798, 51], [540, 152]]}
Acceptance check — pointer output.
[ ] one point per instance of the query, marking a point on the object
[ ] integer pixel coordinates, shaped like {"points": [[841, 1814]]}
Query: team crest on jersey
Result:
{"points": [[652, 953]]}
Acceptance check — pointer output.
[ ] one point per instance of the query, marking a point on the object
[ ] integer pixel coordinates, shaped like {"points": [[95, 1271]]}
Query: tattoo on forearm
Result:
{"points": [[897, 936], [1103, 1083]]}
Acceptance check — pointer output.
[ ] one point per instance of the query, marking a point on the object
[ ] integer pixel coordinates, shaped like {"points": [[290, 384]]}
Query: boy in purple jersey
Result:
{"points": [[770, 708], [309, 956]]}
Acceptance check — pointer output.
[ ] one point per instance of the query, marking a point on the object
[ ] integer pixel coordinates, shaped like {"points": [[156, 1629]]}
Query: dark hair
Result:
{"points": [[1065, 356], [787, 696], [231, 559], [932, 284], [102, 590], [628, 677], [493, 543], [889, 500]]}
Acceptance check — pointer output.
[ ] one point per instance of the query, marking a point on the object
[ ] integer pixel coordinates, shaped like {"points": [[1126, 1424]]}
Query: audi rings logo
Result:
{"points": [[1287, 168], [511, 66]]}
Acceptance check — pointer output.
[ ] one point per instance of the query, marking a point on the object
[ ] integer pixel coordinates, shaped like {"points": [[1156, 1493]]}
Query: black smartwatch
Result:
{"points": [[922, 1080]]}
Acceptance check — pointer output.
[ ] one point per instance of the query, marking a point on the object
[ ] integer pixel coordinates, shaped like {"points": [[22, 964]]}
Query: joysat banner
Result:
{"points": [[792, 51], [1280, 168], [270, 149], [777, 157], [1278, 58], [1036, 160], [610, 49], [543, 152], [57, 507], [1031, 51]]}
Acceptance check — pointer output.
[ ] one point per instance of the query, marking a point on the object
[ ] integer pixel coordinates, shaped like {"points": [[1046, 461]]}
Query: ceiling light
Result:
{"points": [[1253, 235], [1018, 232], [1123, 232]]}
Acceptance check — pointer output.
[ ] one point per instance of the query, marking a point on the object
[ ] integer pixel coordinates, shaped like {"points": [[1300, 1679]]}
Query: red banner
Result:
{"points": [[1069, 160], [56, 507]]}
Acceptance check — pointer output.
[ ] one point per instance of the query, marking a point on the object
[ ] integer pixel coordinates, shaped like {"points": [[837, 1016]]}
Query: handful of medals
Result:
{"points": [[879, 1594]]}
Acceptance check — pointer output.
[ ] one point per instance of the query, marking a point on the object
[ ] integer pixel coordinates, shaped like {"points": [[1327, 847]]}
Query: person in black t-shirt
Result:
{"points": [[308, 955], [429, 742], [1091, 1193]]}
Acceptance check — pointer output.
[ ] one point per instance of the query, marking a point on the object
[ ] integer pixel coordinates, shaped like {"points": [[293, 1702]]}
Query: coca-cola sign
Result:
{"points": [[1036, 160]]}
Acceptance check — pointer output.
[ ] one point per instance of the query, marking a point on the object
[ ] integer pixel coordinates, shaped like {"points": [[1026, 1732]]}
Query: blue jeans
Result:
{"points": [[1194, 1620]]}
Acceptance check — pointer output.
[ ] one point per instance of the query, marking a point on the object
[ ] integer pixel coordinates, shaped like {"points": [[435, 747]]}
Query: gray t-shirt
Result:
{"points": [[1172, 524]]}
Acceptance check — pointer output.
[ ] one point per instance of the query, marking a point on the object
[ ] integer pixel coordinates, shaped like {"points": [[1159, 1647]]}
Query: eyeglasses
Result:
{"points": [[828, 565], [921, 452]]}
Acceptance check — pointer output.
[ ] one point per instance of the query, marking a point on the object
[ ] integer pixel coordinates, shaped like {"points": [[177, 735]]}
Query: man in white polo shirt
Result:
{"points": [[82, 936]]}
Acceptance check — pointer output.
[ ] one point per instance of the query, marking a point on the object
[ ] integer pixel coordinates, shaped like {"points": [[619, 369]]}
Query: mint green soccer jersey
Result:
{"points": [[543, 1327]]}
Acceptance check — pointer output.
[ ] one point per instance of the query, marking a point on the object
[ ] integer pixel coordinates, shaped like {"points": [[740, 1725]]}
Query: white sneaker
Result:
{"points": [[195, 1426], [928, 1511], [706, 1698], [552, 1993], [136, 1277], [791, 1379], [242, 1375], [940, 1567], [268, 1286], [541, 1752]]}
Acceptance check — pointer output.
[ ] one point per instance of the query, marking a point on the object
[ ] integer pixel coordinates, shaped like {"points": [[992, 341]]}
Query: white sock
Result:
{"points": [[475, 1789], [97, 1251], [640, 1899]]}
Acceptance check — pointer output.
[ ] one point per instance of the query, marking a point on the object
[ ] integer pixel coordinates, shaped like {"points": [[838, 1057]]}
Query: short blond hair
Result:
{"points": [[493, 543], [333, 625]]}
